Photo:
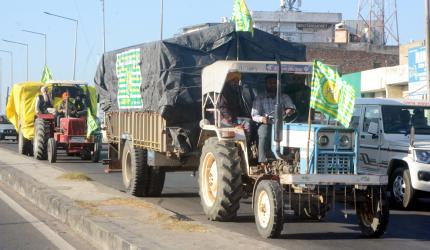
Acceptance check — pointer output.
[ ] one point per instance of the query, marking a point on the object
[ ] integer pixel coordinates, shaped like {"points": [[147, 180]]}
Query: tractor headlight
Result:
{"points": [[422, 156], [323, 140], [344, 140]]}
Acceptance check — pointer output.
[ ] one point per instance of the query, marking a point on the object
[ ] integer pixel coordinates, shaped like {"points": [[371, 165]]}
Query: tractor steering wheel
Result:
{"points": [[291, 118]]}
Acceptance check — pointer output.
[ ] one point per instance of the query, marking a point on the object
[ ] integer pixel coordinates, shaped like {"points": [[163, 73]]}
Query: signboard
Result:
{"points": [[291, 68], [129, 79], [417, 72]]}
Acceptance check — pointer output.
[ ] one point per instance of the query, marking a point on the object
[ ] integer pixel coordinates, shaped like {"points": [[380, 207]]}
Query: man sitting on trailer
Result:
{"points": [[43, 101], [263, 107]]}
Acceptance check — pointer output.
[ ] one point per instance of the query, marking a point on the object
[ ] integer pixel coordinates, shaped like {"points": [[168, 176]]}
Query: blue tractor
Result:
{"points": [[311, 163]]}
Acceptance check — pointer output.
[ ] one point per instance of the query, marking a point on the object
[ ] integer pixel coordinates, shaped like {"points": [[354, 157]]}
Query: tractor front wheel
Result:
{"points": [[41, 135], [52, 150], [268, 209]]}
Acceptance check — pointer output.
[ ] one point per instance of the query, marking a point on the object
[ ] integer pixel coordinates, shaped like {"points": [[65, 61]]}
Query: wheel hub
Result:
{"points": [[263, 206], [210, 179], [399, 188], [127, 170]]}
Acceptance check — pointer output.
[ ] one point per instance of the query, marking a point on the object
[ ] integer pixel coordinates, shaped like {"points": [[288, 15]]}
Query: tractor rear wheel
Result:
{"points": [[220, 179], [52, 150], [41, 135]]}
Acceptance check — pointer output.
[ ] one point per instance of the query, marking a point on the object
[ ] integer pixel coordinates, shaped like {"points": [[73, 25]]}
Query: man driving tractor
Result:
{"points": [[262, 107]]}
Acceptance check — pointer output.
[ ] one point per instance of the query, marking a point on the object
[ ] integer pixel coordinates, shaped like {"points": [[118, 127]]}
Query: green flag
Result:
{"points": [[330, 94], [46, 75], [242, 17], [92, 124]]}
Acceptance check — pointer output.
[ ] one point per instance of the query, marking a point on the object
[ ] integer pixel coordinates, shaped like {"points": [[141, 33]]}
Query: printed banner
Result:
{"points": [[129, 79]]}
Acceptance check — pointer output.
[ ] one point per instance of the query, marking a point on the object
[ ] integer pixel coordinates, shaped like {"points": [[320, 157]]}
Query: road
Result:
{"points": [[406, 230], [23, 226]]}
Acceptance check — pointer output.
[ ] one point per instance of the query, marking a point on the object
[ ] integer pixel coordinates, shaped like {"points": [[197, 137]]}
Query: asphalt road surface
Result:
{"points": [[406, 229], [23, 226]]}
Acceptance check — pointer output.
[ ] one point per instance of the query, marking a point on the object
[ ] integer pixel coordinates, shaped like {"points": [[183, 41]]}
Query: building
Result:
{"points": [[299, 27], [328, 38], [389, 82], [384, 82]]}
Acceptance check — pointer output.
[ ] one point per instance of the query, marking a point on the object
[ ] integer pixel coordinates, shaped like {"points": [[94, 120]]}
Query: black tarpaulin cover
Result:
{"points": [[171, 69]]}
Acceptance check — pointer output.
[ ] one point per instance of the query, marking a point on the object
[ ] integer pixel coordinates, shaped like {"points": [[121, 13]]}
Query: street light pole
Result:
{"points": [[11, 64], [45, 38], [20, 43], [104, 26], [161, 20], [11, 72], [76, 38]]}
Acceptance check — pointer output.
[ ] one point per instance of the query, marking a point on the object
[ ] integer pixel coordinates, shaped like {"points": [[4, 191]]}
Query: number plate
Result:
{"points": [[77, 139], [10, 137]]}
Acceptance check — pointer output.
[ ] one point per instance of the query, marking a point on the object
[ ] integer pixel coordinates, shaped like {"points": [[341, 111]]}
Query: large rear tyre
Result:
{"points": [[220, 180], [268, 204], [156, 182], [135, 171], [41, 135], [402, 192], [52, 150], [372, 213]]}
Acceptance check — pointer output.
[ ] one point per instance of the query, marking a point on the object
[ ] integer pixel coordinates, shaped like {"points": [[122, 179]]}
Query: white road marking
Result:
{"points": [[52, 236]]}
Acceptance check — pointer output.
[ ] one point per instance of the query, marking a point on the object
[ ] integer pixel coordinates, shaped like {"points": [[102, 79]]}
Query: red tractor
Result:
{"points": [[67, 133]]}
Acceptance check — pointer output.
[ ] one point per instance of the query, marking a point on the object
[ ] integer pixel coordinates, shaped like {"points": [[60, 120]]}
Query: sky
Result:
{"points": [[130, 22]]}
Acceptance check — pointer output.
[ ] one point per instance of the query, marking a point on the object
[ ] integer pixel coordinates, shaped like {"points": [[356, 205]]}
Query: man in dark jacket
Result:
{"points": [[43, 101]]}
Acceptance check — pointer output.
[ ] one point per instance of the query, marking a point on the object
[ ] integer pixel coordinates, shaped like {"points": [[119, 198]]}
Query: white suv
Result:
{"points": [[388, 144], [7, 130]]}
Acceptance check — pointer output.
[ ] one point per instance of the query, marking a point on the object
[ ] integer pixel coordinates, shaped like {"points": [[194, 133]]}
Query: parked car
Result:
{"points": [[7, 130], [394, 138]]}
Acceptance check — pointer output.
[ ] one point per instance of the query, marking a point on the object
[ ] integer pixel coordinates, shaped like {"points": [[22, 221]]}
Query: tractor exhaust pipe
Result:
{"points": [[278, 112]]}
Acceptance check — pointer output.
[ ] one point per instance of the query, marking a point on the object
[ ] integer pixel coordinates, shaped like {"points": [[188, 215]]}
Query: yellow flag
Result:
{"points": [[242, 17]]}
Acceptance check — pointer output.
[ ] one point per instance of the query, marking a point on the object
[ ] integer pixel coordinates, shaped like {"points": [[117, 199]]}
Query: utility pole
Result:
{"points": [[161, 20], [11, 64], [427, 27], [11, 72]]}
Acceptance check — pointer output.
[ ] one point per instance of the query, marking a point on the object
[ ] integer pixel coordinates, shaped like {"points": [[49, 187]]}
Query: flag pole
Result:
{"points": [[237, 46], [309, 140]]}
